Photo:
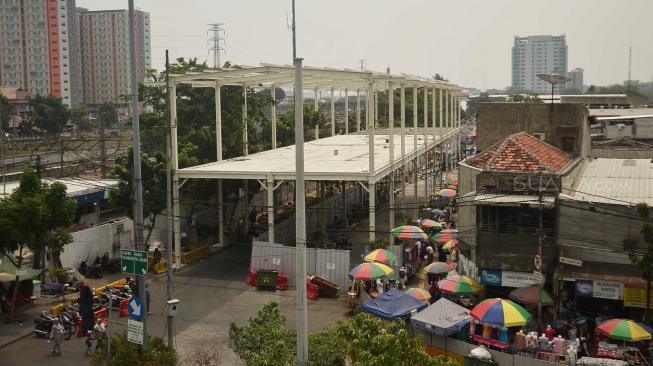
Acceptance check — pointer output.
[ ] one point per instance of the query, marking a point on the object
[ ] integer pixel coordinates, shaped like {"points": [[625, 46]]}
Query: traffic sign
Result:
{"points": [[539, 278], [537, 262], [135, 307], [135, 331], [134, 262]]}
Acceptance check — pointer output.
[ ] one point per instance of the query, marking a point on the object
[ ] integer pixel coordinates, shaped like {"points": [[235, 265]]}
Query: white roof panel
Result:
{"points": [[341, 157]]}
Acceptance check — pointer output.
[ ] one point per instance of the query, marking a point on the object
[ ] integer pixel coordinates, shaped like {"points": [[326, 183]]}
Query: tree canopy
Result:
{"points": [[6, 111], [48, 113], [361, 341]]}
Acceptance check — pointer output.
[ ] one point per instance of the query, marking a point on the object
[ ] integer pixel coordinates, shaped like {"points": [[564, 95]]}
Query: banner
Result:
{"points": [[608, 290], [491, 277], [518, 279], [635, 296], [584, 288]]}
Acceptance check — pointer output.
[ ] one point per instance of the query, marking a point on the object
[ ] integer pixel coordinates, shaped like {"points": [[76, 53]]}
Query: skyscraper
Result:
{"points": [[576, 83], [534, 55], [35, 47], [104, 52]]}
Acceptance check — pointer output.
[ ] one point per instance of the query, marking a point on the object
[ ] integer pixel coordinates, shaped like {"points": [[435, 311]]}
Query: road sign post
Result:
{"points": [[135, 331], [134, 262], [135, 307]]}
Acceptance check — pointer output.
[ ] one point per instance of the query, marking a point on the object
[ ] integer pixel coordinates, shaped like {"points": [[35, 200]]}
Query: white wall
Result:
{"points": [[94, 241]]}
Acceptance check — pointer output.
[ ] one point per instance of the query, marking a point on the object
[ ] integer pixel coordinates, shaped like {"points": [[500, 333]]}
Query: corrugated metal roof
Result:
{"points": [[511, 199], [617, 181], [617, 118]]}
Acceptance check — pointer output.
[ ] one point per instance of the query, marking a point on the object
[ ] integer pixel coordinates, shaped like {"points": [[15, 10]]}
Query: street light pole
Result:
{"points": [[138, 182], [169, 249]]}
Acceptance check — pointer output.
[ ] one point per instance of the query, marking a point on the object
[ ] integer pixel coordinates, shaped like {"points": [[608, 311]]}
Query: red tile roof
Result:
{"points": [[521, 153]]}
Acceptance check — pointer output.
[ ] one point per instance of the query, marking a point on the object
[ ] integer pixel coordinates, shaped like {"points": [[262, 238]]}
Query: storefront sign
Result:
{"points": [[571, 261], [491, 277], [518, 279], [635, 296], [608, 290], [584, 288]]}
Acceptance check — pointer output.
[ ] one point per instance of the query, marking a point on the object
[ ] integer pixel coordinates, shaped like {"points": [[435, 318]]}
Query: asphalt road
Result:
{"points": [[212, 294]]}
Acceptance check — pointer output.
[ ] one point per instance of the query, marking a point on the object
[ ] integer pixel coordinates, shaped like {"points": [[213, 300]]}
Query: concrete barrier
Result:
{"points": [[195, 254]]}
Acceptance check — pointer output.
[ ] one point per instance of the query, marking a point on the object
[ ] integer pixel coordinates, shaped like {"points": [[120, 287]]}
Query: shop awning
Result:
{"points": [[493, 199], [444, 317], [613, 272], [8, 271]]}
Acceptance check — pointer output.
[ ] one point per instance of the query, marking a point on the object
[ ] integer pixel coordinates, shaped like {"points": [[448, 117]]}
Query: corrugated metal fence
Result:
{"points": [[612, 152], [331, 264]]}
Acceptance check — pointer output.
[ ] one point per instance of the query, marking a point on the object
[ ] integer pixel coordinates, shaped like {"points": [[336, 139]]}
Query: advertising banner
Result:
{"points": [[608, 290], [518, 279], [584, 288], [635, 296], [490, 277]]}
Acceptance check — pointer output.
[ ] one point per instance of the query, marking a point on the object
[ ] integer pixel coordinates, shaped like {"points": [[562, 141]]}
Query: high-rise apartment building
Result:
{"points": [[81, 56], [104, 53], [576, 82], [534, 55], [36, 48]]}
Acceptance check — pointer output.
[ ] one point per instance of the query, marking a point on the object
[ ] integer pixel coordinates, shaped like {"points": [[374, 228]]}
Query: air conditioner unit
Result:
{"points": [[540, 135]]}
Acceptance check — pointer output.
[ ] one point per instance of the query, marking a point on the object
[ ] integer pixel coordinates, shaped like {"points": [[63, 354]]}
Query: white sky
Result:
{"points": [[467, 41]]}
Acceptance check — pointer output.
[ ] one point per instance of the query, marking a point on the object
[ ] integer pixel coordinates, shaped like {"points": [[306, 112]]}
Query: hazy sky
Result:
{"points": [[467, 41]]}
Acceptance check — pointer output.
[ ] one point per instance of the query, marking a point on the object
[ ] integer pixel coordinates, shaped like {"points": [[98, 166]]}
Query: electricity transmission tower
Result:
{"points": [[216, 31]]}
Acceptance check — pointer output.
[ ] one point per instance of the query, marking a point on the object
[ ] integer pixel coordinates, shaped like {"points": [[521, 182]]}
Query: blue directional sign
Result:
{"points": [[135, 308]]}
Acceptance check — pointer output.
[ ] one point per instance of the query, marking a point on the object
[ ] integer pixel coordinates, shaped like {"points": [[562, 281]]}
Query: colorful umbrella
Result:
{"points": [[459, 285], [624, 329], [431, 224], [419, 294], [370, 271], [438, 268], [450, 244], [381, 256], [501, 313], [443, 236], [408, 232], [531, 295], [448, 193]]}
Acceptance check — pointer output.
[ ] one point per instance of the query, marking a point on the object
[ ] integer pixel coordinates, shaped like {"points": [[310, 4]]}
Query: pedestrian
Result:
{"points": [[56, 335], [148, 297], [3, 301], [402, 277], [86, 308], [89, 343], [156, 256], [99, 331]]}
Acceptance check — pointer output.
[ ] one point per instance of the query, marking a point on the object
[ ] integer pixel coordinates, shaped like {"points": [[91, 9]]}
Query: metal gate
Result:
{"points": [[331, 264]]}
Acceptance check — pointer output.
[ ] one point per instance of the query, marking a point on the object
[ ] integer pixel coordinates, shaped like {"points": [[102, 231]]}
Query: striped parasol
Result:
{"points": [[453, 243], [459, 285], [438, 268], [501, 313], [369, 271], [418, 294], [381, 256], [430, 224], [447, 192], [624, 329], [408, 232]]}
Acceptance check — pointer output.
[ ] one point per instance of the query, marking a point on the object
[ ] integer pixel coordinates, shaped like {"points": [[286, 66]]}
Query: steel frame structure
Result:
{"points": [[270, 76]]}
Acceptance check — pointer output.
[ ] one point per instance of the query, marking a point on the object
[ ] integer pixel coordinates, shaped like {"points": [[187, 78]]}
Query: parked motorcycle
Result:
{"points": [[91, 271], [109, 265], [43, 324]]}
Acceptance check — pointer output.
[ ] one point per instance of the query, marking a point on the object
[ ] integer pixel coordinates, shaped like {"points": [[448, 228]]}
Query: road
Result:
{"points": [[212, 293]]}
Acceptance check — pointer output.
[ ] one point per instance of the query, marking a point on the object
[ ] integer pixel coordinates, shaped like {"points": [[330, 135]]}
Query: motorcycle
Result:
{"points": [[69, 323], [43, 324], [109, 265], [90, 271]]}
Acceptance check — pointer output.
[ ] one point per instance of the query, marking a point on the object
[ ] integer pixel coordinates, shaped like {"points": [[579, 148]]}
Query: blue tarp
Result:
{"points": [[394, 304]]}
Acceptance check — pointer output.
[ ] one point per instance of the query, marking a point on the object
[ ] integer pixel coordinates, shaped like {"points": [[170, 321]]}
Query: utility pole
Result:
{"points": [[61, 156], [138, 181], [218, 33], [169, 288], [300, 208], [362, 62], [630, 66], [2, 154], [540, 240], [103, 149]]}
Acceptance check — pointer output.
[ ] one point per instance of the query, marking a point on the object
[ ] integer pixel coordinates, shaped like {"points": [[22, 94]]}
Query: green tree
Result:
{"points": [[153, 172], [524, 98], [79, 117], [124, 352], [361, 341], [643, 260], [107, 115], [49, 114], [34, 217], [7, 111]]}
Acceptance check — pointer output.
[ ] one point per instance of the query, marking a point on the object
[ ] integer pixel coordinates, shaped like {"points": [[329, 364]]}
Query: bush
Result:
{"points": [[127, 353]]}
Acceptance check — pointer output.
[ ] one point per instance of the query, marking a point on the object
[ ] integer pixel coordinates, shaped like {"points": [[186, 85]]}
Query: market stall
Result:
{"points": [[394, 304]]}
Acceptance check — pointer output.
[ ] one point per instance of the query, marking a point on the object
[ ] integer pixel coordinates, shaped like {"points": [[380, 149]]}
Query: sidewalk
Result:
{"points": [[23, 325]]}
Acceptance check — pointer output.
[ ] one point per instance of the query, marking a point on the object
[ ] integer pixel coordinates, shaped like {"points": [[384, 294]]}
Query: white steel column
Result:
{"points": [[333, 113], [176, 205], [375, 120], [433, 116], [358, 110], [270, 189], [441, 141], [403, 147], [245, 135], [346, 112], [415, 172], [316, 102], [273, 112], [371, 179], [391, 134], [426, 140], [218, 145]]}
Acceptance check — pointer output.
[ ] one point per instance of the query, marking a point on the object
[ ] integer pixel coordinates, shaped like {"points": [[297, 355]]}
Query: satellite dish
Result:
{"points": [[553, 79]]}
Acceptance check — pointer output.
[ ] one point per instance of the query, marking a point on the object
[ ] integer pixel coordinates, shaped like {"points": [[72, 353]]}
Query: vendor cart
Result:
{"points": [[327, 288]]}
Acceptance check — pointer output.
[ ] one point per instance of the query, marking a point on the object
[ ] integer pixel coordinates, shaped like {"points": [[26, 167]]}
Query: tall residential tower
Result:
{"points": [[534, 55]]}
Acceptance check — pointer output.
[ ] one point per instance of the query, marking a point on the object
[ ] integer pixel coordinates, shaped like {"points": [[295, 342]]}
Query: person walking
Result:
{"points": [[99, 332], [56, 335], [86, 308], [148, 297]]}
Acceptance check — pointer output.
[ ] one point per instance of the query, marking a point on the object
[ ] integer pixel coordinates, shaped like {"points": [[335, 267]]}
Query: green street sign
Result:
{"points": [[134, 262]]}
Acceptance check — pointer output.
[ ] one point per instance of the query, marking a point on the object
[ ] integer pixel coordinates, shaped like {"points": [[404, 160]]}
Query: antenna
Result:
{"points": [[218, 36], [630, 65], [362, 62]]}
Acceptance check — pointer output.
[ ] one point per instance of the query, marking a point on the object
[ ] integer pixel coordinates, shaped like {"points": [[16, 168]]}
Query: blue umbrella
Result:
{"points": [[437, 211]]}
